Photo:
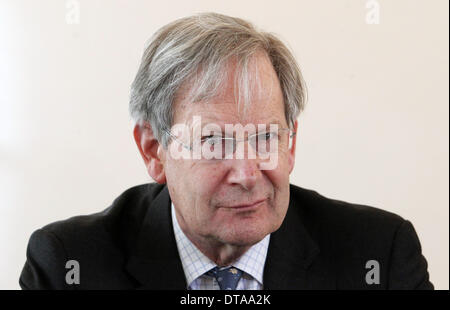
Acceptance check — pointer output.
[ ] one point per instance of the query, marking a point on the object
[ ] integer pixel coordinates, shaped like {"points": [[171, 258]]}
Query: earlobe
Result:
{"points": [[156, 171], [149, 149]]}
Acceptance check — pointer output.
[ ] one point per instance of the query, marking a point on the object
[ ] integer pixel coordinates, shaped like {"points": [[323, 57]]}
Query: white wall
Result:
{"points": [[375, 130]]}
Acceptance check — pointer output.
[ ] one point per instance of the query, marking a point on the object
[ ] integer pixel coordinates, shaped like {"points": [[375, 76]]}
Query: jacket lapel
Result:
{"points": [[154, 261], [293, 261]]}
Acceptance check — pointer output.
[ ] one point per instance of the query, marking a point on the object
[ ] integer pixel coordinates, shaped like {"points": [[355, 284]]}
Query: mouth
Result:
{"points": [[246, 207]]}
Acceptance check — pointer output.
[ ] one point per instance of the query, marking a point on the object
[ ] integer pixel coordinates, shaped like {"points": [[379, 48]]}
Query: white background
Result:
{"points": [[375, 129]]}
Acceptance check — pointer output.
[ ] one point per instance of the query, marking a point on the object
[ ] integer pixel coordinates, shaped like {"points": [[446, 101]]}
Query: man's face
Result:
{"points": [[207, 195]]}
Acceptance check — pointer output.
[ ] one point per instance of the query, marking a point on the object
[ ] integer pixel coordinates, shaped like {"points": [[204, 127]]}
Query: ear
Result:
{"points": [[292, 150], [150, 150]]}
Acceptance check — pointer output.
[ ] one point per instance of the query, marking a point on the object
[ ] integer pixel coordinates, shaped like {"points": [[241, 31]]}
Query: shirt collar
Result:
{"points": [[195, 263]]}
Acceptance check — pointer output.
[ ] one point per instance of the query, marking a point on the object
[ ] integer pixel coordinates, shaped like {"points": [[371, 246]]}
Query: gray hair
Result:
{"points": [[197, 49]]}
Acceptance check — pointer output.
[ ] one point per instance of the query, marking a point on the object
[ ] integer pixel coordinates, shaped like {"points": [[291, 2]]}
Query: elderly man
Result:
{"points": [[215, 103]]}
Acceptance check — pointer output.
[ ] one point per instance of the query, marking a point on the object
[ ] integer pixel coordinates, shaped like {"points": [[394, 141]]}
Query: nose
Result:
{"points": [[244, 172]]}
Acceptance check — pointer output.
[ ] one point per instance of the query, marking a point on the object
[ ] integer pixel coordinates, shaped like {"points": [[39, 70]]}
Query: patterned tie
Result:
{"points": [[227, 277]]}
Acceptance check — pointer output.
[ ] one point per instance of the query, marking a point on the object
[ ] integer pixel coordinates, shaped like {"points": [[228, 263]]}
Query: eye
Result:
{"points": [[267, 136], [211, 140]]}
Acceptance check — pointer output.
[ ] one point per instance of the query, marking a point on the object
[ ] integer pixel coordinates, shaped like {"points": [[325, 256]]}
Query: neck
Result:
{"points": [[222, 254]]}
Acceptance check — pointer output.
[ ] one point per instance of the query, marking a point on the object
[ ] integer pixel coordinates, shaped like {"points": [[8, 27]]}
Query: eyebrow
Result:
{"points": [[222, 124]]}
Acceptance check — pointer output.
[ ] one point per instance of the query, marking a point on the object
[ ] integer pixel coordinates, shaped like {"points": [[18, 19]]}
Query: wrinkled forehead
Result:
{"points": [[235, 92]]}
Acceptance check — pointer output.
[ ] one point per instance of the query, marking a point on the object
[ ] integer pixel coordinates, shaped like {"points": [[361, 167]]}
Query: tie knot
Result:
{"points": [[227, 277]]}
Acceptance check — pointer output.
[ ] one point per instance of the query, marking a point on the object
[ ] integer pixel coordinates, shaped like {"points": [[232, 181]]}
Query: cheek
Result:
{"points": [[195, 185], [279, 177], [205, 181]]}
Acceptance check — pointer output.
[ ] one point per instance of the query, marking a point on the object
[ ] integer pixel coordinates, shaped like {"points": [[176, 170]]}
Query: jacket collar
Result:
{"points": [[291, 254], [154, 261]]}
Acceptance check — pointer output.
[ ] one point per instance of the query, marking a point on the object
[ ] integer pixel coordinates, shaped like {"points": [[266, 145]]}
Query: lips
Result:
{"points": [[246, 206]]}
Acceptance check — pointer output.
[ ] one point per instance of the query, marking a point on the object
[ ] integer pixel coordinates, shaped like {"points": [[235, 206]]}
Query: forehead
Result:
{"points": [[263, 102]]}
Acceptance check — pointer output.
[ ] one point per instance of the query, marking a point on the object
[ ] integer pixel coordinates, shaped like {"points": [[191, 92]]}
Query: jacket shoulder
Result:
{"points": [[130, 206], [97, 241], [339, 213], [342, 228], [352, 235]]}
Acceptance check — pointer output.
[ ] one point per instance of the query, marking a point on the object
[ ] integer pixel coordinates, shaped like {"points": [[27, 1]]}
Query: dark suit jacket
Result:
{"points": [[322, 244]]}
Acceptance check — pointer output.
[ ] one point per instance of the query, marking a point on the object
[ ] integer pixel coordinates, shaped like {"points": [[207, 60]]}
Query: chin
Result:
{"points": [[245, 236], [249, 230]]}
